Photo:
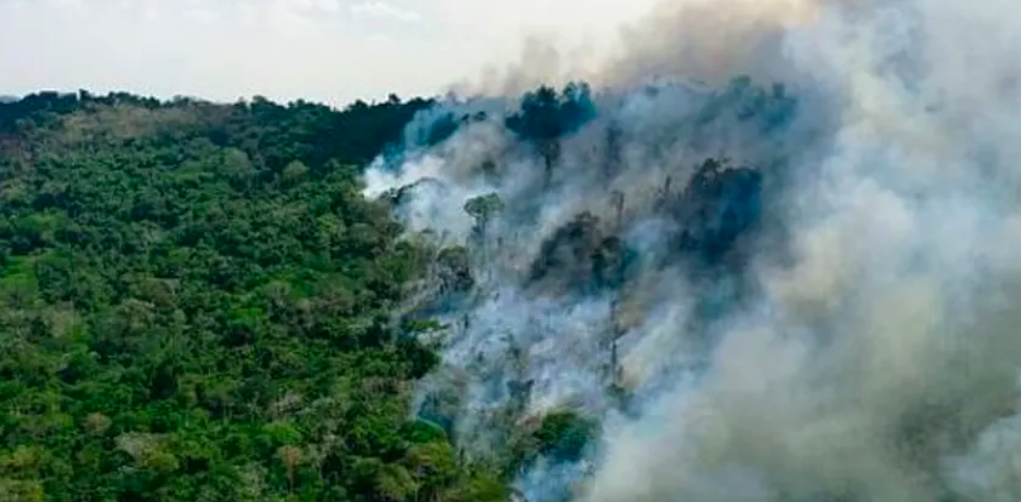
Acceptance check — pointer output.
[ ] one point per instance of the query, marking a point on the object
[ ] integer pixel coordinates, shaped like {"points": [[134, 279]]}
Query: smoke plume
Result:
{"points": [[773, 252]]}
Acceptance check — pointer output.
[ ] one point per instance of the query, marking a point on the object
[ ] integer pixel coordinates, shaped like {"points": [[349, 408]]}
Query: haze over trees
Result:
{"points": [[197, 303], [195, 306]]}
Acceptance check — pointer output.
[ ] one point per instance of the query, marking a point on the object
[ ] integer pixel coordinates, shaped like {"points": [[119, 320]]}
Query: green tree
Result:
{"points": [[195, 302]]}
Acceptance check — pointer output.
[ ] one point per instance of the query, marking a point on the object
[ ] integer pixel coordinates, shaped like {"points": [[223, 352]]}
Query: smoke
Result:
{"points": [[825, 310], [704, 40]]}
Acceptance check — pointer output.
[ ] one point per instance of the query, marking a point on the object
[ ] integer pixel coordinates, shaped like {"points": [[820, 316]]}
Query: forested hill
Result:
{"points": [[194, 306]]}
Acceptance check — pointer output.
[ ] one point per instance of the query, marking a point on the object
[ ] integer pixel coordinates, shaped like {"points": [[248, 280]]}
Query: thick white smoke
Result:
{"points": [[859, 344]]}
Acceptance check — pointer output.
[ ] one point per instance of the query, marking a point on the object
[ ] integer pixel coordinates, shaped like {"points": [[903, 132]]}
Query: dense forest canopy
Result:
{"points": [[771, 255], [420, 301], [198, 301], [195, 305]]}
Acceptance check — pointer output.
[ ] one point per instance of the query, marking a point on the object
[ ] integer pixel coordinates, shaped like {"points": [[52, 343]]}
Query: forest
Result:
{"points": [[767, 252], [196, 305]]}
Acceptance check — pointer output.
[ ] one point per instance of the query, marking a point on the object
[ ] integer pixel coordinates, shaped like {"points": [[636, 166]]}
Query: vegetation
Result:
{"points": [[562, 436], [195, 306], [546, 116]]}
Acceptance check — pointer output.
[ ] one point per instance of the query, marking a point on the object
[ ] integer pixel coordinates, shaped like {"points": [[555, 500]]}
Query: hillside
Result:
{"points": [[195, 305], [769, 252]]}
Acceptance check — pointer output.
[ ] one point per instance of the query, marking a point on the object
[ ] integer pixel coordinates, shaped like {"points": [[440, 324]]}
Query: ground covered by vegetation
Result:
{"points": [[195, 306]]}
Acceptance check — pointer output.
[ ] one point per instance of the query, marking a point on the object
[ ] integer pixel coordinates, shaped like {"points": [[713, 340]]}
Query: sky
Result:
{"points": [[333, 51]]}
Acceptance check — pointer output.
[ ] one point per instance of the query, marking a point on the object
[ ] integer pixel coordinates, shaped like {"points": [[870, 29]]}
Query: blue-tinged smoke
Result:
{"points": [[794, 285], [606, 203]]}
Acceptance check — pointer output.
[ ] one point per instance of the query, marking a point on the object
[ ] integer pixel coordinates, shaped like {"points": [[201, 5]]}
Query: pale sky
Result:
{"points": [[323, 50]]}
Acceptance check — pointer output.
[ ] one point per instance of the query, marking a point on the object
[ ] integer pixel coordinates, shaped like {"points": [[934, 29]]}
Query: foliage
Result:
{"points": [[483, 208], [546, 116], [454, 272], [561, 436], [194, 306]]}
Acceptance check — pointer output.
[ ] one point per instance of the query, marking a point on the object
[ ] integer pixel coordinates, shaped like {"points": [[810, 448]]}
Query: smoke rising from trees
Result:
{"points": [[770, 252]]}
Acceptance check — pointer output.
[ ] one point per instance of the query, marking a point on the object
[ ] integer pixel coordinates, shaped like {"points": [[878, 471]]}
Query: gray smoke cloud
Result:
{"points": [[703, 40], [835, 322]]}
